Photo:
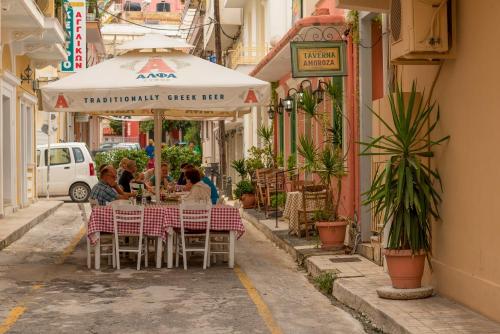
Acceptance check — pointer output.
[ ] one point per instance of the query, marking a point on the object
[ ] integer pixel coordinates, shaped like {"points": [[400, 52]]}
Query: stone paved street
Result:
{"points": [[45, 287]]}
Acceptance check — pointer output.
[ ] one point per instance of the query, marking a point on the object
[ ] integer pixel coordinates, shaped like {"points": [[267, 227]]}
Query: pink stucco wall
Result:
{"points": [[175, 5]]}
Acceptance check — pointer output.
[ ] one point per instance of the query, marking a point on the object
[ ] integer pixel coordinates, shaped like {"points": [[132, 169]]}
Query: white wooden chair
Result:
{"points": [[106, 241], [130, 214], [219, 245], [195, 213]]}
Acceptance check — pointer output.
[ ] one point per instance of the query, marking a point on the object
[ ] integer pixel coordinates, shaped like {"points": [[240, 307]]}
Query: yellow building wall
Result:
{"points": [[466, 243], [22, 63], [6, 58]]}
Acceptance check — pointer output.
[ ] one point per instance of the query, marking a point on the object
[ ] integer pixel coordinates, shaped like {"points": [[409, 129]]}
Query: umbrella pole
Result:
{"points": [[157, 138]]}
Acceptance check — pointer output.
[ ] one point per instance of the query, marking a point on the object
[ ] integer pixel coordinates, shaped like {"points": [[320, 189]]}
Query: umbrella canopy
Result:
{"points": [[138, 82], [170, 84]]}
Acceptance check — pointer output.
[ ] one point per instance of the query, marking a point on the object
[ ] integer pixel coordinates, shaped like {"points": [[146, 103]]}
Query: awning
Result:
{"points": [[175, 83], [277, 63]]}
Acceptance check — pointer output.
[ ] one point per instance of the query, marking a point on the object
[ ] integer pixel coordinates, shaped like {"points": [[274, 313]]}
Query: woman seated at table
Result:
{"points": [[165, 178], [199, 191], [121, 167]]}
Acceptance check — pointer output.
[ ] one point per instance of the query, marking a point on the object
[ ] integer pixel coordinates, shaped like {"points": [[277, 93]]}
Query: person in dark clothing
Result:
{"points": [[128, 175], [182, 177]]}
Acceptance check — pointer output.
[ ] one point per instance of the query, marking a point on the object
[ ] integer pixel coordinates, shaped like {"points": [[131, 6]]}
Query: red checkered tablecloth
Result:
{"points": [[101, 220], [158, 218], [224, 218]]}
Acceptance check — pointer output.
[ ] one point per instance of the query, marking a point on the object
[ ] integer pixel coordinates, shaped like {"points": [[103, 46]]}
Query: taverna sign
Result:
{"points": [[318, 59]]}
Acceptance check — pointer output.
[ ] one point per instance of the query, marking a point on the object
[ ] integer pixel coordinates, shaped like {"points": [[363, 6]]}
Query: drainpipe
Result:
{"points": [[49, 122]]}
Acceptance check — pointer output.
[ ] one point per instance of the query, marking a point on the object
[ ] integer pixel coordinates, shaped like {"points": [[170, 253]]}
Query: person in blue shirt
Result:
{"points": [[150, 149], [214, 195]]}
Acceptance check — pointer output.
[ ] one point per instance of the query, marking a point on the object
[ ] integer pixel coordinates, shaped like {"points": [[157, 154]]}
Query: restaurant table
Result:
{"points": [[160, 222], [293, 204], [101, 220]]}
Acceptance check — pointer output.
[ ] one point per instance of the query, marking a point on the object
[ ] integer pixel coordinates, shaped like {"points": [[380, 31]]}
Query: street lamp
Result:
{"points": [[277, 109], [303, 87], [270, 111], [290, 100], [319, 93]]}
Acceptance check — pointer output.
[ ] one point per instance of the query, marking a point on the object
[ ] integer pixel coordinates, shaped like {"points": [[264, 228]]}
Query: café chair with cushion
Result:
{"points": [[200, 215], [106, 241], [130, 215], [314, 198]]}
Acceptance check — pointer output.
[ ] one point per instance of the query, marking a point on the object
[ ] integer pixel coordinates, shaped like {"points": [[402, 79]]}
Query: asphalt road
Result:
{"points": [[45, 287]]}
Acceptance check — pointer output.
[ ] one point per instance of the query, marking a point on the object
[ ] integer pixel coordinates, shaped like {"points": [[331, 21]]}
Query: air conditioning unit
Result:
{"points": [[422, 29]]}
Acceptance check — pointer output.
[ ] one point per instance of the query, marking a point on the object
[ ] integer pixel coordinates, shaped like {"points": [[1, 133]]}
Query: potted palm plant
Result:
{"points": [[328, 162], [406, 191], [244, 189]]}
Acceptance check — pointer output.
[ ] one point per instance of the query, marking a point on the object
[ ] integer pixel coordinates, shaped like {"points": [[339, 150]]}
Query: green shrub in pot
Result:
{"points": [[243, 187], [405, 192]]}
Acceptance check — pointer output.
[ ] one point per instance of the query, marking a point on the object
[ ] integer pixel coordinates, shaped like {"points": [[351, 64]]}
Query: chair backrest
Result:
{"points": [[260, 175], [276, 180], [299, 185], [128, 214], [314, 196], [195, 213]]}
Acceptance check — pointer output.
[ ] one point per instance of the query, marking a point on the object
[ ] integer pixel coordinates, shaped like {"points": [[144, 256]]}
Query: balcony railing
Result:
{"points": [[159, 17], [247, 55]]}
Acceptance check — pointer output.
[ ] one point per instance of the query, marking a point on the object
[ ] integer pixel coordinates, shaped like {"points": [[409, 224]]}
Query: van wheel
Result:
{"points": [[79, 192]]}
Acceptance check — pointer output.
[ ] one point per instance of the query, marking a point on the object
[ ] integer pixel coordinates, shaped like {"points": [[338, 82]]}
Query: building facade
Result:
{"points": [[32, 38], [248, 30], [464, 242]]}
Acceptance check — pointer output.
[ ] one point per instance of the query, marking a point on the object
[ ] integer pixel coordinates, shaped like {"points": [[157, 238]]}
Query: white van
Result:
{"points": [[72, 171]]}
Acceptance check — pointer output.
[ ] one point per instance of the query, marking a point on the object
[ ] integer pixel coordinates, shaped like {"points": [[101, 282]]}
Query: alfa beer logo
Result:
{"points": [[156, 68], [61, 102], [251, 97]]}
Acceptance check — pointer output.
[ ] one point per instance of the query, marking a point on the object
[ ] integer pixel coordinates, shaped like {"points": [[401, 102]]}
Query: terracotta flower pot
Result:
{"points": [[331, 234], [248, 201], [405, 269]]}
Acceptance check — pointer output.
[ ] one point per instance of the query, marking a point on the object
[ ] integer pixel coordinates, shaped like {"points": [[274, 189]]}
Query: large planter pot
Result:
{"points": [[248, 201], [331, 234], [405, 269]]}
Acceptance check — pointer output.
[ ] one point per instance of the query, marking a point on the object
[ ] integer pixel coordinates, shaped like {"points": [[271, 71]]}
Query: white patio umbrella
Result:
{"points": [[171, 84]]}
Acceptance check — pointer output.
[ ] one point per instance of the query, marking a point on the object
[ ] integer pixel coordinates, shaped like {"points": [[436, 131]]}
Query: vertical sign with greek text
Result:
{"points": [[76, 39]]}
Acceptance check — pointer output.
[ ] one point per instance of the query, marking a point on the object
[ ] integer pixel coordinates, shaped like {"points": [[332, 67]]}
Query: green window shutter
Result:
{"points": [[337, 113], [282, 133], [293, 130]]}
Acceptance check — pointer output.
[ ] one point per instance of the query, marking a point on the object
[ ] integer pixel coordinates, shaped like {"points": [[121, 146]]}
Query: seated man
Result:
{"points": [[128, 175], [105, 191], [199, 191]]}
